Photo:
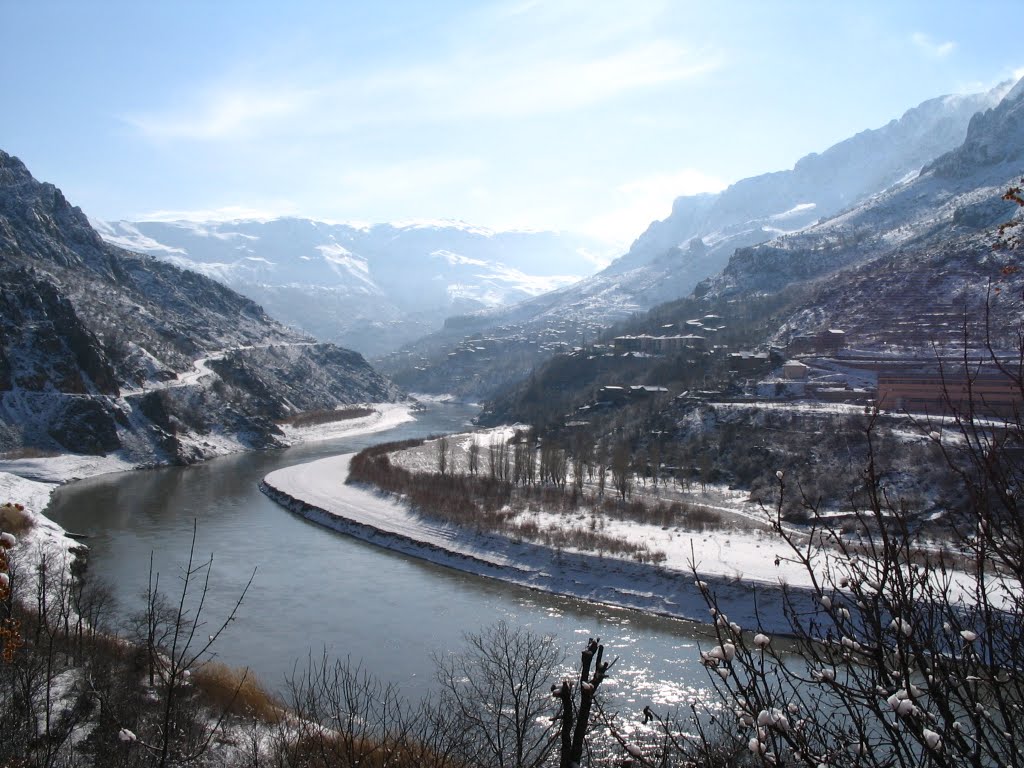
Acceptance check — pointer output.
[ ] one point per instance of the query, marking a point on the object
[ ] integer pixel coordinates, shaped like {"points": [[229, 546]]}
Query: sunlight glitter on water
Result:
{"points": [[637, 685]]}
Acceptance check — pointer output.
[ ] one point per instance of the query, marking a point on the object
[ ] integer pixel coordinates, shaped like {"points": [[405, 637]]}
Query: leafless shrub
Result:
{"points": [[236, 691], [343, 716], [497, 691], [328, 416]]}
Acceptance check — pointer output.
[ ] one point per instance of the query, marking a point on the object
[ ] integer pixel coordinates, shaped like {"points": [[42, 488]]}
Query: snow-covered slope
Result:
{"points": [[367, 287], [696, 241], [901, 266], [702, 232], [103, 350], [912, 273]]}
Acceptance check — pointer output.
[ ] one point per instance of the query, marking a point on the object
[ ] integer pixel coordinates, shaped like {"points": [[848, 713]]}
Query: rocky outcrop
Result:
{"points": [[295, 378], [900, 267], [674, 256], [84, 425], [99, 346], [995, 138], [44, 344]]}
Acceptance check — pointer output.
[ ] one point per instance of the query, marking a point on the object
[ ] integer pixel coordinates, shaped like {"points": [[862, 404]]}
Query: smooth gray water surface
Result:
{"points": [[317, 589]]}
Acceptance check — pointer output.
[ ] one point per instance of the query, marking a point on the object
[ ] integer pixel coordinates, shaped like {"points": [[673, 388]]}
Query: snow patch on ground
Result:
{"points": [[64, 468], [740, 565], [44, 539], [384, 416]]}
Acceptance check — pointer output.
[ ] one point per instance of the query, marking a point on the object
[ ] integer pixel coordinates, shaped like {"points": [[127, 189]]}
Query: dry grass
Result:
{"points": [[315, 418], [698, 518], [14, 519], [333, 749], [238, 691], [28, 453]]}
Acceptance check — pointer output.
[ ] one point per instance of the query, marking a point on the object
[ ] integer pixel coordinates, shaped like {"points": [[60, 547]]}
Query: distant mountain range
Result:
{"points": [[916, 272], [372, 287], [901, 266], [103, 350], [704, 231]]}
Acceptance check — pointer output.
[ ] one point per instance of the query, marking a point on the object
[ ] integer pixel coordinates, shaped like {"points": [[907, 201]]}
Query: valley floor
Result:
{"points": [[739, 564], [744, 562]]}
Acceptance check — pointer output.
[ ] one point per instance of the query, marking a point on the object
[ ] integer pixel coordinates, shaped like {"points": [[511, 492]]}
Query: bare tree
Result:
{"points": [[493, 460], [554, 465], [341, 715], [581, 461], [172, 635], [519, 462], [497, 690], [622, 474], [656, 459], [911, 653], [443, 454], [576, 719]]}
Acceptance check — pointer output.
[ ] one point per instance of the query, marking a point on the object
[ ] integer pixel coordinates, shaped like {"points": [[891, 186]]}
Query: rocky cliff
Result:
{"points": [[922, 249], [755, 219], [102, 349]]}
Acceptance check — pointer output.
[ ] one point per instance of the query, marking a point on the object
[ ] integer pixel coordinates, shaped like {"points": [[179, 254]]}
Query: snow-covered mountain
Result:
{"points": [[703, 231], [103, 350], [927, 270], [901, 266], [370, 287]]}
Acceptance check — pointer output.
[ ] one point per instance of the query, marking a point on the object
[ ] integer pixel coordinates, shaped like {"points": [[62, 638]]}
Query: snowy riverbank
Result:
{"points": [[31, 481], [65, 468], [316, 491], [384, 416], [41, 540]]}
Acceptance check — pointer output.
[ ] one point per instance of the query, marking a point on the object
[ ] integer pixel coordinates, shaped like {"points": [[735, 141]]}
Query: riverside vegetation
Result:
{"points": [[906, 656], [492, 496], [80, 688]]}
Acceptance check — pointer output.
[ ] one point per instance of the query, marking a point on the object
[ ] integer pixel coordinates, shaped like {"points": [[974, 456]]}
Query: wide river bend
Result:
{"points": [[316, 589]]}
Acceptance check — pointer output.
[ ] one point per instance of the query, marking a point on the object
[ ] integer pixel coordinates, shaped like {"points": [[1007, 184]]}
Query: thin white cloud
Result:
{"points": [[221, 214], [223, 113], [557, 84], [397, 181], [543, 59], [930, 47], [644, 200]]}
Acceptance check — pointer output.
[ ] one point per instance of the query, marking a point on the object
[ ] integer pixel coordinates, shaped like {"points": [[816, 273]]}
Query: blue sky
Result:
{"points": [[575, 115]]}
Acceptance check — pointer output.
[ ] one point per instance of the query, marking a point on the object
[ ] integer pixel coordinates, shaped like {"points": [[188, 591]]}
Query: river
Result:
{"points": [[315, 589]]}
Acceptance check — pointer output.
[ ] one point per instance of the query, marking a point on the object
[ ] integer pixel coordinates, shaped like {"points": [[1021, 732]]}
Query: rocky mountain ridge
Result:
{"points": [[919, 271], [99, 346], [702, 233], [922, 244], [370, 287]]}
